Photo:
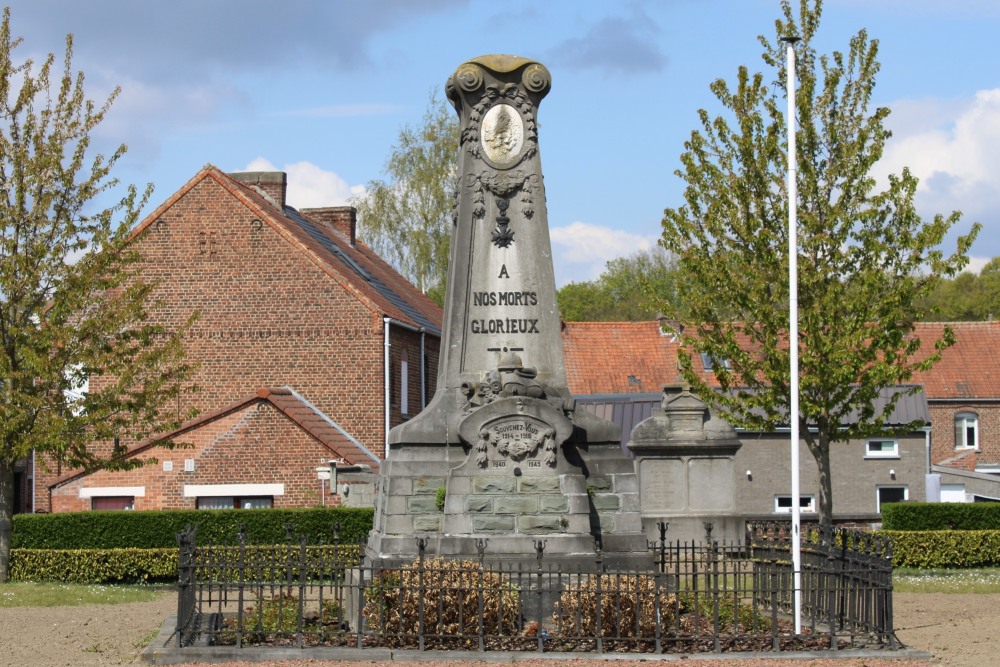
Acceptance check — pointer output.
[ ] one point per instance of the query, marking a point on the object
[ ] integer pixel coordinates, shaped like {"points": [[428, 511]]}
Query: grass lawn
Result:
{"points": [[973, 580], [63, 595]]}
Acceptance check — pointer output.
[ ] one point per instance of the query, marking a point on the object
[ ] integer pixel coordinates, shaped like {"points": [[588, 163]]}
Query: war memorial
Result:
{"points": [[508, 517], [517, 459]]}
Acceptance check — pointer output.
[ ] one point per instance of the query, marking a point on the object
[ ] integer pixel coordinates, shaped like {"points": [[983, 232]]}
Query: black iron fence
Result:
{"points": [[706, 596]]}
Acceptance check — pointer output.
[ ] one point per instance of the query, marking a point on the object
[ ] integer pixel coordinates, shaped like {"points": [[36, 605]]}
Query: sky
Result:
{"points": [[321, 88]]}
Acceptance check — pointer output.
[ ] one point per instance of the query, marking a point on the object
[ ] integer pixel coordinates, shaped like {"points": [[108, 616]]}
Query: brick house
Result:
{"points": [[287, 299], [272, 449], [616, 370], [963, 393]]}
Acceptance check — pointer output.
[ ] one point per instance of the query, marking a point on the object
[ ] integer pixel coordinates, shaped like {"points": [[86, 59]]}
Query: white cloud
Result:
{"points": [[310, 186], [953, 147], [581, 250]]}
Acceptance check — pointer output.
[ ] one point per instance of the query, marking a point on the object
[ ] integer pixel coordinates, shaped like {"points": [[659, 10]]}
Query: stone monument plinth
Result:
{"points": [[502, 442], [685, 455]]}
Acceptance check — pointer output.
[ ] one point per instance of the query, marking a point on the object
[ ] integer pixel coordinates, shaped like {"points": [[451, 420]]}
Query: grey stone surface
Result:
{"points": [[422, 505], [479, 504], [534, 525], [605, 501], [515, 505], [546, 484], [400, 486], [627, 482], [553, 503], [494, 485], [493, 524], [600, 483], [426, 523], [427, 484], [607, 520], [398, 525]]}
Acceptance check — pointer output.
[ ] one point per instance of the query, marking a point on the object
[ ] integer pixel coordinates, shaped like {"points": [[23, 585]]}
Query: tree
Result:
{"points": [[865, 258], [407, 219], [967, 296], [72, 306], [629, 290]]}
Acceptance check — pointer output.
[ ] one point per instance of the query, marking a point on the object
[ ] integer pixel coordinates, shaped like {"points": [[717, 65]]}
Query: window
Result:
{"points": [[112, 503], [783, 504], [890, 494], [404, 384], [966, 430], [709, 363], [882, 449], [235, 502]]}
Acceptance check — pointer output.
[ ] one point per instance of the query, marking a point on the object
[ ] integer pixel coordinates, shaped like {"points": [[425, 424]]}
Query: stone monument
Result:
{"points": [[502, 442], [685, 454]]}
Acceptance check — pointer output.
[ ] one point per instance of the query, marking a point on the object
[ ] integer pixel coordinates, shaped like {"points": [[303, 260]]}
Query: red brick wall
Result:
{"points": [[943, 451], [255, 445], [269, 316]]}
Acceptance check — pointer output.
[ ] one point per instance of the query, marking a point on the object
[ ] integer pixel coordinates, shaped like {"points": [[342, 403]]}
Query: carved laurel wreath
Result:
{"points": [[510, 449]]}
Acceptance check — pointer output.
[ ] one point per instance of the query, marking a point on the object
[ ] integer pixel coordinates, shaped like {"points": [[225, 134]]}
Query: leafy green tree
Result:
{"points": [[865, 258], [71, 304], [967, 297], [630, 290], [407, 219]]}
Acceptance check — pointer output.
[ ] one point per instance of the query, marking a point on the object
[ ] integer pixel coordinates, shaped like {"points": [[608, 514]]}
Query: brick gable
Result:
{"points": [[273, 438]]}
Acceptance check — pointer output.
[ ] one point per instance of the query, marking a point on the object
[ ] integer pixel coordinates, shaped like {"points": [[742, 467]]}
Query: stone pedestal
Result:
{"points": [[685, 458]]}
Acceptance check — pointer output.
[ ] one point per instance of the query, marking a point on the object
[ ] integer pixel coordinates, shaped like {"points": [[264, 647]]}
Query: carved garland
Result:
{"points": [[517, 450]]}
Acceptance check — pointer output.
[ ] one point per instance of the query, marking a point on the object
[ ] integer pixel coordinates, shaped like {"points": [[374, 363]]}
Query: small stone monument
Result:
{"points": [[685, 455], [502, 442]]}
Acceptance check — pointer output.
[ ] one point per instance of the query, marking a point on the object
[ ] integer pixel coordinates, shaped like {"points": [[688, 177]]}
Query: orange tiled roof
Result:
{"points": [[617, 357], [968, 369], [600, 356], [287, 401]]}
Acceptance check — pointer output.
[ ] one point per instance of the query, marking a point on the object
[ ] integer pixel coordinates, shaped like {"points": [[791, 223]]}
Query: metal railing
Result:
{"points": [[705, 596]]}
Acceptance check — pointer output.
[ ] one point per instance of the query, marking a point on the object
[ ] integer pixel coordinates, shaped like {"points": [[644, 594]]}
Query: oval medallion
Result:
{"points": [[502, 135]]}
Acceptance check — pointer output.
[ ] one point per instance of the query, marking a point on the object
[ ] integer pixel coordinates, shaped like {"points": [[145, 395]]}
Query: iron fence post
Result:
{"points": [[539, 552]]}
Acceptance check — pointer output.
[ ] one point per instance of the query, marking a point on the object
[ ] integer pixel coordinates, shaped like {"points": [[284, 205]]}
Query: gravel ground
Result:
{"points": [[958, 629]]}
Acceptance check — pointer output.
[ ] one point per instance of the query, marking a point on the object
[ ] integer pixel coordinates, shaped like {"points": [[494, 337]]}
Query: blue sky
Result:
{"points": [[320, 89]]}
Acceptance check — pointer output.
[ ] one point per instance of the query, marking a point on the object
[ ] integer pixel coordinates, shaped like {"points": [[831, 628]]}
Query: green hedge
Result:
{"points": [[945, 548], [941, 516], [113, 566], [158, 529], [94, 566]]}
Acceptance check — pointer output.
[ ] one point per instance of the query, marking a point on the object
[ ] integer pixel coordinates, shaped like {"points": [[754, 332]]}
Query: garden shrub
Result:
{"points": [[94, 566], [941, 516], [627, 605], [450, 593], [158, 529], [945, 548]]}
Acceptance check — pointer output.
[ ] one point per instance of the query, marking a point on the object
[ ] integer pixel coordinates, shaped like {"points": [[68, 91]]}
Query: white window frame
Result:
{"points": [[106, 491], [880, 453], [966, 420], [241, 490], [808, 498], [879, 487], [709, 363]]}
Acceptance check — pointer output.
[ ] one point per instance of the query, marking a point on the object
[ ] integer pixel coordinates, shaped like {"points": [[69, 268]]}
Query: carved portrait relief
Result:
{"points": [[502, 135]]}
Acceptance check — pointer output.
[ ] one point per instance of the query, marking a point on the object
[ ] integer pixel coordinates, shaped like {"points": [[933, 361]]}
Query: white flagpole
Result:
{"points": [[793, 336]]}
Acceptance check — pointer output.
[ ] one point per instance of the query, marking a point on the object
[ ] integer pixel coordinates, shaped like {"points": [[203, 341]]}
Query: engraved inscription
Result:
{"points": [[516, 439]]}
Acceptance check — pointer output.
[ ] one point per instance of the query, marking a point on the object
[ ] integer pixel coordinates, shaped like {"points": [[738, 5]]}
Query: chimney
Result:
{"points": [[273, 184], [341, 219]]}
